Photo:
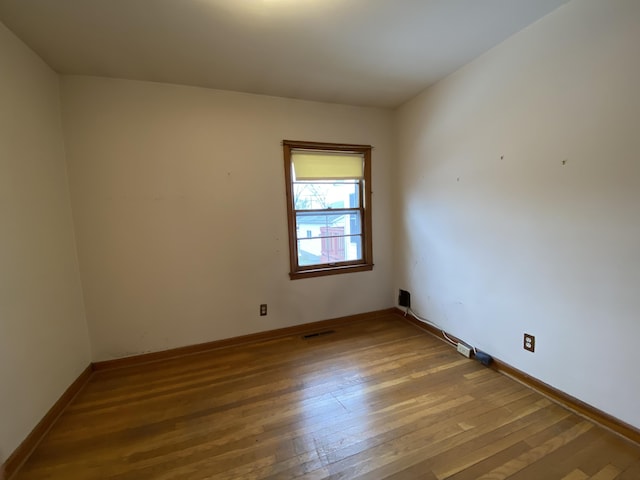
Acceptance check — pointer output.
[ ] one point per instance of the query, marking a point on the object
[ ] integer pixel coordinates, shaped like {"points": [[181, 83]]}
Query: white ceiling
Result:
{"points": [[361, 52]]}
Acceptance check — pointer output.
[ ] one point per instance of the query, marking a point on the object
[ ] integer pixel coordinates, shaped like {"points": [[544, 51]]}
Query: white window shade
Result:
{"points": [[327, 165]]}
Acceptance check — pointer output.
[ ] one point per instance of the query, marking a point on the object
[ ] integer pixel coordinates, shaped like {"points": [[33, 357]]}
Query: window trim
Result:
{"points": [[296, 271]]}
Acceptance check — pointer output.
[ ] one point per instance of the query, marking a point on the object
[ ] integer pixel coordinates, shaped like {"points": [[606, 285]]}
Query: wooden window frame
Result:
{"points": [[364, 264]]}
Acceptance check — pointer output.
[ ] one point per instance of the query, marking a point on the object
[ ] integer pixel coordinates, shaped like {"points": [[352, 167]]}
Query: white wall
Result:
{"points": [[493, 247], [44, 344], [179, 205]]}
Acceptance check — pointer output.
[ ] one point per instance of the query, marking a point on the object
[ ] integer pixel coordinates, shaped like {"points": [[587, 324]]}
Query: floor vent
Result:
{"points": [[318, 334]]}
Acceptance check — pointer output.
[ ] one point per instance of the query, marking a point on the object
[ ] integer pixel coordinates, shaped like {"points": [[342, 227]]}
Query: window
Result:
{"points": [[329, 208]]}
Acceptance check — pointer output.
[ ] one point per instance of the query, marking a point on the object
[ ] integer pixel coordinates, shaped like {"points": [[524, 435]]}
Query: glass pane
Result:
{"points": [[309, 252], [322, 195], [318, 251], [328, 224]]}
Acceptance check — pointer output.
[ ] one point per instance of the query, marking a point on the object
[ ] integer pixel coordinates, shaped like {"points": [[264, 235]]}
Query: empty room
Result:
{"points": [[319, 239]]}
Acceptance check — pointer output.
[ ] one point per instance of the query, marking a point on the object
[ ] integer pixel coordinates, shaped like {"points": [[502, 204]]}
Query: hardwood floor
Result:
{"points": [[375, 399]]}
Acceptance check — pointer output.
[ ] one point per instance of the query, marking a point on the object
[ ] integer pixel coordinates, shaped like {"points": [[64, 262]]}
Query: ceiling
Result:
{"points": [[360, 52]]}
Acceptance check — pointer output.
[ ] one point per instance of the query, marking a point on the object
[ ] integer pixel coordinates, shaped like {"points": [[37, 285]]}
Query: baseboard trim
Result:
{"points": [[28, 445], [575, 405], [241, 340]]}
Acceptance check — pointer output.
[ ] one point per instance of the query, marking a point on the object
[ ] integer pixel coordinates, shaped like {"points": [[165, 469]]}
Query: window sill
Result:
{"points": [[321, 272]]}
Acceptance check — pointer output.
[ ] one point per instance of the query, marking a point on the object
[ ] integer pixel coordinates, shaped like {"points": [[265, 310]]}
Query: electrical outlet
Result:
{"points": [[529, 342], [263, 309], [464, 350]]}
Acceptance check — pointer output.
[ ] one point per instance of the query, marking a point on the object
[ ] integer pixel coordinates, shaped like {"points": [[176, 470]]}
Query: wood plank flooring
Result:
{"points": [[375, 399]]}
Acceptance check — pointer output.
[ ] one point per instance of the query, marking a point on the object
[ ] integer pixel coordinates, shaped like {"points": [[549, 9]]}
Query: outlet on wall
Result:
{"points": [[529, 342], [263, 309]]}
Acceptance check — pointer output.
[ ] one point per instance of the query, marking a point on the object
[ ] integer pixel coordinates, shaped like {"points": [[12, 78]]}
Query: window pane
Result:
{"points": [[309, 252], [328, 224], [322, 195], [318, 251], [328, 237]]}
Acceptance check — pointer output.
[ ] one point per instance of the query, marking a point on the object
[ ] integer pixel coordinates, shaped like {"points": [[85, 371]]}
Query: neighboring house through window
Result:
{"points": [[329, 207]]}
